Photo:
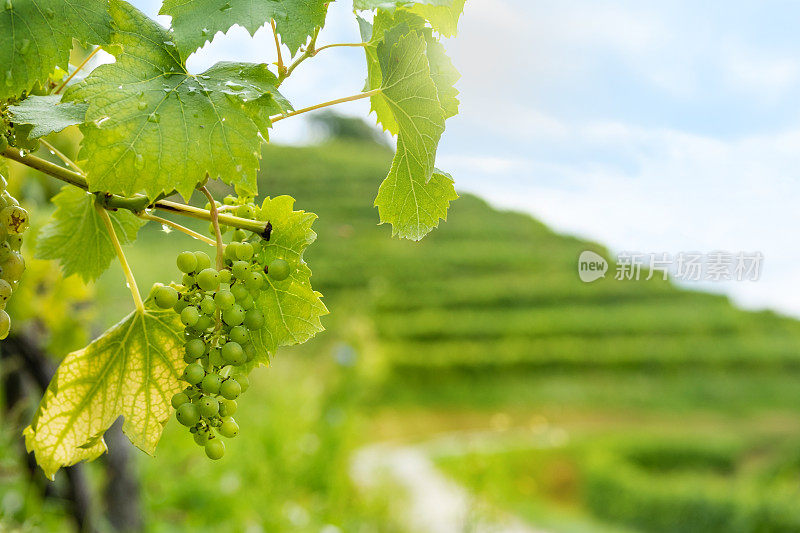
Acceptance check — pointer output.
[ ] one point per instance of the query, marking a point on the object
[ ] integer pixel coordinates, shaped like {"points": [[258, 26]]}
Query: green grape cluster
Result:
{"points": [[218, 310], [13, 223]]}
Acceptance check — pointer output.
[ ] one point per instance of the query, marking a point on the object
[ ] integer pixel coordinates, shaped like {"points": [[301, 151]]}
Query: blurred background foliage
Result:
{"points": [[611, 406]]}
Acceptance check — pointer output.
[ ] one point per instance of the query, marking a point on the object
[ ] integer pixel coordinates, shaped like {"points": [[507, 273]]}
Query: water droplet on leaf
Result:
{"points": [[232, 85], [204, 32], [225, 7], [142, 105], [154, 118], [49, 13]]}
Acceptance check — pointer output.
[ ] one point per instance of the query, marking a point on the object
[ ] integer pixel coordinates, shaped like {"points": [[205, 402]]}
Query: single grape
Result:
{"points": [[5, 292], [187, 262], [243, 381], [188, 414], [227, 407], [224, 299], [234, 315], [224, 276], [165, 297], [5, 324], [254, 281], [179, 399], [207, 305], [246, 211], [230, 251], [215, 357], [247, 303], [278, 270], [195, 348], [233, 354], [244, 251], [191, 315], [187, 280], [204, 322], [239, 292], [14, 219], [229, 200], [250, 352], [253, 319], [211, 383], [240, 269], [203, 261], [239, 334], [208, 406], [188, 359], [201, 437], [12, 268], [193, 374], [229, 428], [215, 449], [15, 242], [208, 279], [180, 305], [230, 389], [239, 235]]}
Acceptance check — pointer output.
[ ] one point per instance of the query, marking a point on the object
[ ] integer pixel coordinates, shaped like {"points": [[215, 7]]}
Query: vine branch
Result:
{"points": [[183, 229], [137, 298], [217, 232], [326, 104], [281, 68], [136, 203]]}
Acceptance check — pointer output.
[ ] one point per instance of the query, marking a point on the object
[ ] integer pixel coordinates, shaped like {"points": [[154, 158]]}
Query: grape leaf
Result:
{"points": [[389, 26], [443, 15], [411, 197], [47, 114], [131, 370], [156, 128], [36, 35], [196, 22], [77, 237], [291, 307]]}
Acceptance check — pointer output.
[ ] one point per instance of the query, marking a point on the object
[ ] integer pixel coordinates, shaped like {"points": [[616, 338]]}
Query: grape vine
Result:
{"points": [[153, 134]]}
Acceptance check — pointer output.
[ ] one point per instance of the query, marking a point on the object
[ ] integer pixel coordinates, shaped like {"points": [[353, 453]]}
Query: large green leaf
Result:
{"points": [[47, 114], [77, 237], [131, 370], [442, 15], [155, 127], [195, 22], [411, 197], [36, 36], [388, 28], [291, 307]]}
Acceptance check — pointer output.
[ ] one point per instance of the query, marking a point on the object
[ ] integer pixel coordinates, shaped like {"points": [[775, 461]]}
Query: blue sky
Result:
{"points": [[654, 127]]}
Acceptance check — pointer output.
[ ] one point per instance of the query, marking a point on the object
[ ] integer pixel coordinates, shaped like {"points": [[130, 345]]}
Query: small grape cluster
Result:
{"points": [[217, 309], [13, 223]]}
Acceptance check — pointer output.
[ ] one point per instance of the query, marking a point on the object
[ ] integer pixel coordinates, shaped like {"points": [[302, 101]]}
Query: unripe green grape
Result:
{"points": [[230, 251], [187, 262], [233, 354], [204, 322], [15, 242], [208, 406], [211, 383], [190, 316], [254, 281], [229, 428], [12, 268], [14, 219], [208, 279], [230, 389], [193, 374], [243, 381], [215, 357], [207, 305], [195, 348], [239, 334], [247, 303], [179, 399], [5, 324], [215, 449], [203, 261], [201, 437], [188, 414], [250, 352], [253, 319], [180, 305], [239, 235], [246, 211], [5, 292], [244, 251], [224, 299], [229, 200], [188, 359], [165, 297], [234, 315], [240, 269], [224, 277], [239, 292], [227, 407], [278, 270], [188, 280]]}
